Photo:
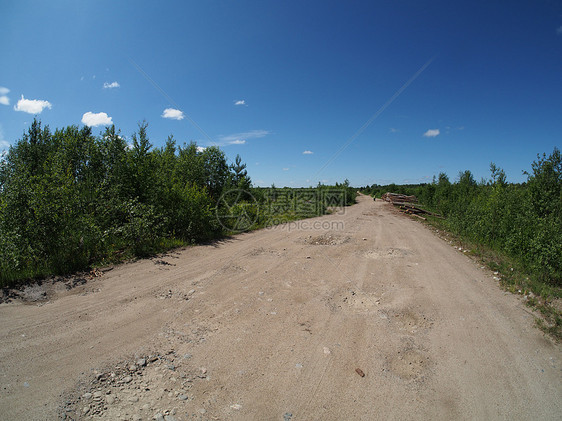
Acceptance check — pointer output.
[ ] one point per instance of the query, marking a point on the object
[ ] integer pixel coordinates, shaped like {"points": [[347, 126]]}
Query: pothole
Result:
{"points": [[389, 253], [326, 240]]}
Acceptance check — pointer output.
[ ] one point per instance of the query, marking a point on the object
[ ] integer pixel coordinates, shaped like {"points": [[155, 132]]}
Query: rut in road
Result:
{"points": [[376, 318]]}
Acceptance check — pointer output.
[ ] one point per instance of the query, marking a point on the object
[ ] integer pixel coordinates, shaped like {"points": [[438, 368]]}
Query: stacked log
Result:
{"points": [[406, 205], [398, 198]]}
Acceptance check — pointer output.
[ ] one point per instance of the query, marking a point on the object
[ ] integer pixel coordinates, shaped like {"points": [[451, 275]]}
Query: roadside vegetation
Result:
{"points": [[515, 228], [70, 200]]}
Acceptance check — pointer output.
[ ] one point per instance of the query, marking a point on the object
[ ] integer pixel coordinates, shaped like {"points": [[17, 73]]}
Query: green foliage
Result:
{"points": [[70, 199]]}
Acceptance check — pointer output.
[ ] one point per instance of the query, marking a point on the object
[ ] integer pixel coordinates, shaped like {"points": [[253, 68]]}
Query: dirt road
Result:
{"points": [[272, 325]]}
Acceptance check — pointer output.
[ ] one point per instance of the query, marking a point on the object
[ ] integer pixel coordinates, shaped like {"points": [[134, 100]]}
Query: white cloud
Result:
{"points": [[201, 148], [96, 119], [4, 100], [173, 114], [32, 106], [111, 85], [307, 153], [241, 138], [4, 144], [559, 30], [393, 130], [240, 102], [285, 169], [432, 133]]}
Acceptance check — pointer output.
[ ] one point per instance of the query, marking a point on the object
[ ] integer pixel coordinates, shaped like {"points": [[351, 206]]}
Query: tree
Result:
{"points": [[498, 175], [240, 177], [141, 164], [216, 171], [545, 184]]}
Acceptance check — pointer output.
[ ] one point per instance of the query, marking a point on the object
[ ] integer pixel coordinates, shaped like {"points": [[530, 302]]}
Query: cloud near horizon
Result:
{"points": [[240, 102], [4, 100], [241, 138], [32, 106], [173, 114], [432, 133], [111, 85], [4, 144], [96, 119]]}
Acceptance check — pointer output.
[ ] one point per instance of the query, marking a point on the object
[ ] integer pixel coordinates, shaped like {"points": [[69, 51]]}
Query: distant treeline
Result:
{"points": [[70, 200], [522, 220]]}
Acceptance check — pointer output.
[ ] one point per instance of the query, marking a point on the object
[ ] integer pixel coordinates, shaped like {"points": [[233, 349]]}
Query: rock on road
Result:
{"points": [[364, 314]]}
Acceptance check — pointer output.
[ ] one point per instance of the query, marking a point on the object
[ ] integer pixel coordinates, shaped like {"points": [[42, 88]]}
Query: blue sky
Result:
{"points": [[287, 84]]}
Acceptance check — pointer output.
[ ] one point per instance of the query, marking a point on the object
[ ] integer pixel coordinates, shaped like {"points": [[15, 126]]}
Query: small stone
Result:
{"points": [[145, 407], [182, 397], [127, 379], [25, 384], [169, 418], [187, 356], [141, 362], [110, 400], [298, 365], [327, 350], [134, 399], [202, 410], [97, 394], [86, 410], [132, 367], [158, 417], [87, 395], [236, 406]]}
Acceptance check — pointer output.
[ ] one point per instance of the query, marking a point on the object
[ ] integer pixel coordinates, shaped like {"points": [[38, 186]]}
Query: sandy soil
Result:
{"points": [[369, 316]]}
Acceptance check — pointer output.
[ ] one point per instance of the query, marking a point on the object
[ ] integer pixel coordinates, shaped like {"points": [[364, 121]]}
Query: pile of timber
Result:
{"points": [[406, 205], [398, 198]]}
